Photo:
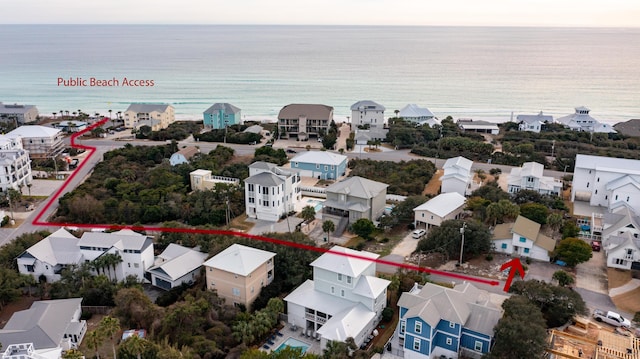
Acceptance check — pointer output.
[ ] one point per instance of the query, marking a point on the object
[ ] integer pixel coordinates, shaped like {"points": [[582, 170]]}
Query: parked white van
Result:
{"points": [[418, 233]]}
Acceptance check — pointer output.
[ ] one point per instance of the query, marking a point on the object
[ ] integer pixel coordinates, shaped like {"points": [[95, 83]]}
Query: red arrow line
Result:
{"points": [[39, 222]]}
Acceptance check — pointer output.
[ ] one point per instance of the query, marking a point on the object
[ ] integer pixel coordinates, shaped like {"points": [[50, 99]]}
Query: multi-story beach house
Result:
{"points": [[270, 191], [580, 120], [40, 141], [304, 120], [533, 123], [203, 180], [50, 256], [367, 113], [620, 237], [439, 322], [221, 115], [15, 166], [604, 181], [320, 164], [344, 299], [156, 116], [523, 238], [530, 177], [18, 114], [44, 330], [238, 273], [457, 175], [418, 115], [355, 198], [440, 208], [176, 265]]}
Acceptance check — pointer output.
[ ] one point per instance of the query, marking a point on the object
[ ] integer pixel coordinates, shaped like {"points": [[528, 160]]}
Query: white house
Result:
{"points": [[530, 176], [203, 179], [48, 327], [418, 115], [522, 238], [469, 125], [156, 116], [582, 121], [50, 256], [184, 155], [15, 166], [39, 141], [621, 237], [604, 181], [367, 113], [270, 191], [135, 250], [320, 164], [18, 114], [176, 265], [533, 123], [457, 175], [344, 299], [444, 206]]}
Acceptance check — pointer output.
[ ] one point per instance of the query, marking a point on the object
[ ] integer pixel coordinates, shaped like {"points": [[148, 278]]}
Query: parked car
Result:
{"points": [[595, 245], [612, 318], [418, 233], [290, 151]]}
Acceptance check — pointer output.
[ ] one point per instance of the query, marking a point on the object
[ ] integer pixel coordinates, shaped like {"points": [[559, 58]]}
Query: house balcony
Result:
{"points": [[315, 318]]}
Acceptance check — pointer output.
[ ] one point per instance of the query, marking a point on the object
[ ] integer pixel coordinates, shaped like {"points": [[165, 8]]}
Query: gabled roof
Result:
{"points": [[610, 164], [306, 295], [370, 287], [239, 259], [414, 111], [254, 129], [225, 107], [263, 165], [345, 261], [34, 131], [527, 228], [458, 162], [442, 204], [623, 217], [534, 169], [61, 247], [147, 107], [320, 157], [179, 261], [502, 231], [43, 324], [188, 152], [358, 187], [367, 105], [539, 118], [266, 179], [123, 239], [623, 181], [348, 323], [310, 111]]}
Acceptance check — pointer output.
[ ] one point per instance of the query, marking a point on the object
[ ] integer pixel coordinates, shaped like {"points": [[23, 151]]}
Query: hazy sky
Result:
{"points": [[616, 13]]}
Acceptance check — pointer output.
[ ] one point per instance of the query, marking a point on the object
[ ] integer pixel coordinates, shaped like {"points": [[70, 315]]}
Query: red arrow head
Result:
{"points": [[515, 265]]}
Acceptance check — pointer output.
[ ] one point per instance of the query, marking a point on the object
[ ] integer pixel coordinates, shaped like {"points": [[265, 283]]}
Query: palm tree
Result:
{"points": [[109, 326], [61, 113], [110, 115], [73, 354], [29, 187], [95, 338], [308, 213], [396, 112], [135, 345], [54, 115], [327, 227]]}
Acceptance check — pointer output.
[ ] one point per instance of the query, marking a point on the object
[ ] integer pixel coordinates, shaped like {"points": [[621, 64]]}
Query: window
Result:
{"points": [[349, 279], [333, 290], [418, 327], [504, 246], [342, 292], [598, 180], [251, 289], [340, 277], [295, 164], [523, 240], [477, 346], [251, 187], [526, 250], [326, 168], [235, 291], [452, 325], [129, 265], [416, 344], [317, 166], [449, 341], [619, 261], [136, 265], [29, 268], [587, 184], [403, 327], [252, 200]]}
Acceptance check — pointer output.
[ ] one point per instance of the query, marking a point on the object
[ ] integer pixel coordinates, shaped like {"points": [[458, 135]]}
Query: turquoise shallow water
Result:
{"points": [[483, 73]]}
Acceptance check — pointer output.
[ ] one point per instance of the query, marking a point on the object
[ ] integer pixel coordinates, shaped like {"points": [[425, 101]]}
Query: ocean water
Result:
{"points": [[474, 72]]}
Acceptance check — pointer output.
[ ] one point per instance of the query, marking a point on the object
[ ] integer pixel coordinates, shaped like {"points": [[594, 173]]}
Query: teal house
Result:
{"points": [[323, 165], [437, 322], [220, 115]]}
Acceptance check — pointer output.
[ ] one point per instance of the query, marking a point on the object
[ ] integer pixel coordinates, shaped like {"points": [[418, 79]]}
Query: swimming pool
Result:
{"points": [[293, 343], [317, 205]]}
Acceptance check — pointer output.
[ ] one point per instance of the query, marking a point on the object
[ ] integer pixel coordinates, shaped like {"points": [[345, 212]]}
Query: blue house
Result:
{"points": [[320, 164], [438, 322], [220, 115]]}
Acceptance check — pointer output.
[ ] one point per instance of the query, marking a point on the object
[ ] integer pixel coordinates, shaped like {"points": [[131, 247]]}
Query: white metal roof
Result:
{"points": [[345, 261], [442, 204], [319, 157], [414, 111], [32, 131], [179, 261], [370, 287], [239, 259], [610, 164]]}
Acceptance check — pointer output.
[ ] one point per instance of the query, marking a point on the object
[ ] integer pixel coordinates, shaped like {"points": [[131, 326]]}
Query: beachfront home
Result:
{"points": [[156, 116], [176, 265], [440, 322], [344, 299], [202, 180], [221, 115], [15, 166], [443, 207], [580, 120], [118, 254], [469, 125], [71, 126], [47, 328], [367, 114], [530, 177], [184, 155], [604, 181], [238, 273], [418, 115], [355, 198], [533, 123], [271, 192], [320, 164], [457, 175], [304, 120], [50, 256], [523, 238], [18, 114], [40, 141]]}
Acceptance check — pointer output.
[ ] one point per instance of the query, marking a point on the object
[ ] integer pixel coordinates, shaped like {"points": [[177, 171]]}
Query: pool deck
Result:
{"points": [[288, 332]]}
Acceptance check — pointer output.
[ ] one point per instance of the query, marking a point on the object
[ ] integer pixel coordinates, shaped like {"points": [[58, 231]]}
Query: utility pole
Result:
{"points": [[464, 226]]}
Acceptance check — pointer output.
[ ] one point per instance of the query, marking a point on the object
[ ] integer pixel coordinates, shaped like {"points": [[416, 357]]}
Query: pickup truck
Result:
{"points": [[612, 318]]}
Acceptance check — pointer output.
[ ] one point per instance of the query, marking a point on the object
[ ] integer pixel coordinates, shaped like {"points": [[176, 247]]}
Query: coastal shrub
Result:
{"points": [[233, 134], [405, 178]]}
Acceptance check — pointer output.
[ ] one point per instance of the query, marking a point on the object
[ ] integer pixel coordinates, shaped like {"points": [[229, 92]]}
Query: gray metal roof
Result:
{"points": [[266, 179], [222, 106], [15, 108], [310, 111], [367, 105], [147, 107], [358, 187]]}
